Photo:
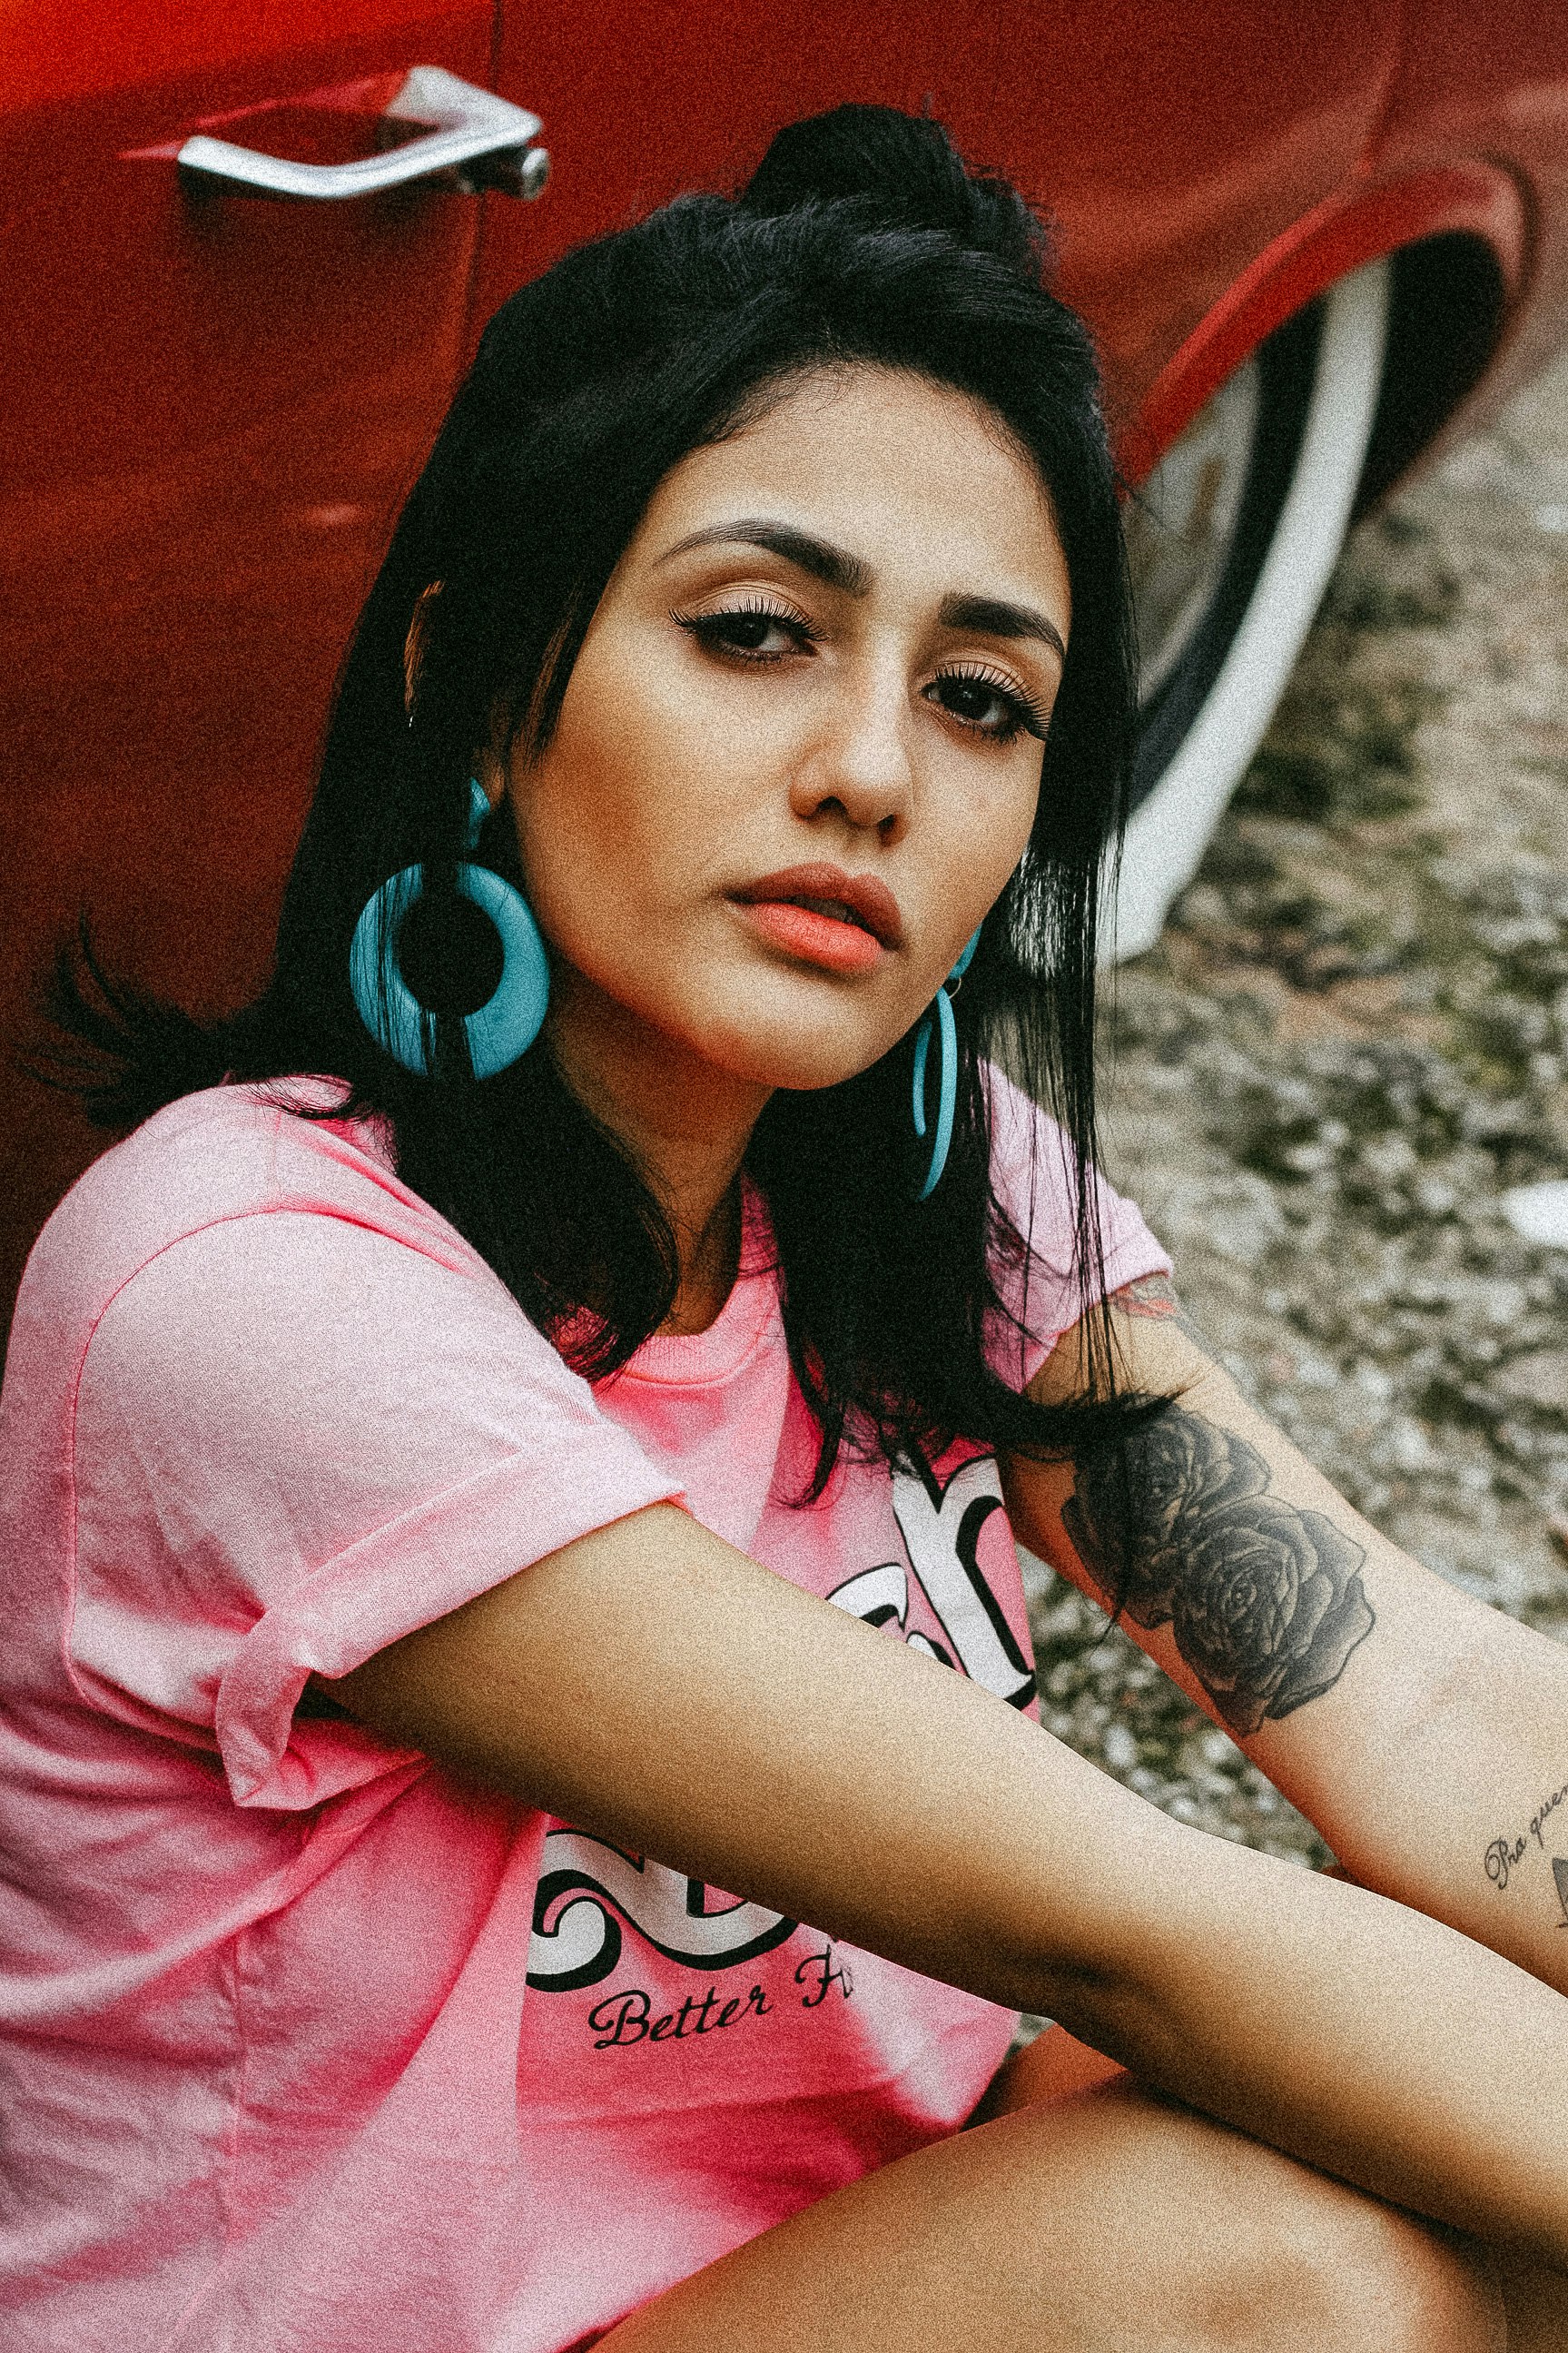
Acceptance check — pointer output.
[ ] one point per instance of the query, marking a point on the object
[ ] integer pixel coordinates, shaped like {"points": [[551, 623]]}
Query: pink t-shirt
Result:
{"points": [[301, 2045]]}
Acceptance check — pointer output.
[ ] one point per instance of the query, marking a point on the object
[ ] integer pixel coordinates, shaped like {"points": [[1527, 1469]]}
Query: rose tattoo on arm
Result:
{"points": [[1266, 1602]]}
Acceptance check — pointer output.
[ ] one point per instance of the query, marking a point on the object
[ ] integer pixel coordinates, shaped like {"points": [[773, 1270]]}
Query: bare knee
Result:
{"points": [[1319, 2267], [1171, 2230]]}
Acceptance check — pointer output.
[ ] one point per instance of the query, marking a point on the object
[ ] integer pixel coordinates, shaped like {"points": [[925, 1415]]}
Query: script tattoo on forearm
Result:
{"points": [[1264, 1601], [1505, 1855]]}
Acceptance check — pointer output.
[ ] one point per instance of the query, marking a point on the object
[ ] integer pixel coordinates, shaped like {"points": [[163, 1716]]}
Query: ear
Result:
{"points": [[491, 774], [491, 758], [414, 643]]}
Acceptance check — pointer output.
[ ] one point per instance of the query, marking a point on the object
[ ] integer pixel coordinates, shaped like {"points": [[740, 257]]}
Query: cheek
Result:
{"points": [[988, 833], [590, 814], [1009, 835], [648, 781]]}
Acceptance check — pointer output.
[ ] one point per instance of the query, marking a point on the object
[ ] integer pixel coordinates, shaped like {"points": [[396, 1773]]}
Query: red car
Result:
{"points": [[247, 249]]}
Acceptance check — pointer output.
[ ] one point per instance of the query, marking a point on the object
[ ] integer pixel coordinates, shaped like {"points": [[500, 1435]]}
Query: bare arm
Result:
{"points": [[666, 1692], [1424, 1733]]}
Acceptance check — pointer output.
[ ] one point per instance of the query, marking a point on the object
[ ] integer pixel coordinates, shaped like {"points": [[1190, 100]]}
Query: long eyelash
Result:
{"points": [[1030, 715], [754, 608], [1027, 715]]}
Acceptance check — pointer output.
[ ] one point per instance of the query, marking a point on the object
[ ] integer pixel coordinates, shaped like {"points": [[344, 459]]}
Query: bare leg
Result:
{"points": [[1103, 2222], [1055, 2065], [1537, 2307], [1052, 2067]]}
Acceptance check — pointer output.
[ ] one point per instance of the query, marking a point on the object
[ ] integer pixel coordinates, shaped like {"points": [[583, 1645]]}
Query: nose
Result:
{"points": [[858, 763]]}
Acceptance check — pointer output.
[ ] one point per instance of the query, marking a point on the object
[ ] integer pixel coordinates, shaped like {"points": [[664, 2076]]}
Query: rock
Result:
{"points": [[1539, 1212], [1539, 1378]]}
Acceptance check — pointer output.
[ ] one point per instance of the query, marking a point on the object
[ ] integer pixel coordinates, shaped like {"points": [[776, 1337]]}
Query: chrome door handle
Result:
{"points": [[470, 127]]}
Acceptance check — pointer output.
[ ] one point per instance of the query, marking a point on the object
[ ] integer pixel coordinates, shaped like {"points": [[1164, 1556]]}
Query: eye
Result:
{"points": [[743, 631], [987, 704]]}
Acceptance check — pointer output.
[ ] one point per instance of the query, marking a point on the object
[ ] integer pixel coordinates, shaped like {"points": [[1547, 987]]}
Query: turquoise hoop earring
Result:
{"points": [[500, 1031], [947, 1095]]}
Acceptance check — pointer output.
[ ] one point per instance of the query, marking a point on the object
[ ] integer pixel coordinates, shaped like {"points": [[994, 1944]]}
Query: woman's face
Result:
{"points": [[799, 753]]}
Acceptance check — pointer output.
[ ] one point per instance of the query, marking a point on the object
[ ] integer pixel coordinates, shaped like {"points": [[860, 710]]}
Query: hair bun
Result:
{"points": [[905, 171]]}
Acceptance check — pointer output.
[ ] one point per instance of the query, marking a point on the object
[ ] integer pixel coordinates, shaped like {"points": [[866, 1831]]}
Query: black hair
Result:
{"points": [[861, 239]]}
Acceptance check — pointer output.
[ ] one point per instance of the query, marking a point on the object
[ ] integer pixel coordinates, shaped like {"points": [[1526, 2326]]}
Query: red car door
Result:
{"points": [[1171, 140], [210, 403]]}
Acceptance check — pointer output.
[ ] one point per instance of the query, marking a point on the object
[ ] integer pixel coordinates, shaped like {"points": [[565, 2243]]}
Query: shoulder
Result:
{"points": [[257, 1289], [216, 1160], [1035, 1179], [1043, 1284]]}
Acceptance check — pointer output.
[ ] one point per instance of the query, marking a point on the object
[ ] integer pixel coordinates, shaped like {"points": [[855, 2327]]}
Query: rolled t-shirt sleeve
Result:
{"points": [[298, 1437], [1045, 1290]]}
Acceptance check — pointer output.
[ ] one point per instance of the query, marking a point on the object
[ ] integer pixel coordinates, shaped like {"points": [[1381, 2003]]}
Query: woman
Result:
{"points": [[515, 1444]]}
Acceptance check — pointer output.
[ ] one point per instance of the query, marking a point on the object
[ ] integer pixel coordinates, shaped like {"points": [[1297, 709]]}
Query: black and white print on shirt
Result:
{"points": [[940, 1526], [589, 1892]]}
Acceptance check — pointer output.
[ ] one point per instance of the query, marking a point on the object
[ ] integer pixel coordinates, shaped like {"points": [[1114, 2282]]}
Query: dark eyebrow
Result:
{"points": [[836, 566], [995, 618]]}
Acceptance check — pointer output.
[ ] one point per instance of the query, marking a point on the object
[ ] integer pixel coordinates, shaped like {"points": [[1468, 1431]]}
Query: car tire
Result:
{"points": [[1232, 540]]}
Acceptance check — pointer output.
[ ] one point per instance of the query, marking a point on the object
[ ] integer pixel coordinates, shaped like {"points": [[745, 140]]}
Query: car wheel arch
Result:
{"points": [[1359, 333]]}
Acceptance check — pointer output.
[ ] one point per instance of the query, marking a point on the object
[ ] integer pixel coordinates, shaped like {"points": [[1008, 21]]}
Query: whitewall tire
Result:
{"points": [[1233, 541]]}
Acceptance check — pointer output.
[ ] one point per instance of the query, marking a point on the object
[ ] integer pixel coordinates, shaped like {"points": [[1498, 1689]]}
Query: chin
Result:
{"points": [[791, 1056]]}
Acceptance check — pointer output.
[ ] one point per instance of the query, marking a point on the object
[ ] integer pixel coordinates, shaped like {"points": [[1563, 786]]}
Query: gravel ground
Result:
{"points": [[1353, 1036]]}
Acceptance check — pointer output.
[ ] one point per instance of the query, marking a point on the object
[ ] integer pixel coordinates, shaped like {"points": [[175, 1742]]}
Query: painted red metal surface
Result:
{"points": [[1356, 224], [1490, 83], [211, 405], [1172, 143]]}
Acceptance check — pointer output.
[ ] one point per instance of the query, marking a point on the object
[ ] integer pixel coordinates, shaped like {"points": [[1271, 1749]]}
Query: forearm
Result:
{"points": [[1431, 1764], [1425, 1734], [1436, 1767], [1446, 1787], [661, 1692], [1363, 2038]]}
